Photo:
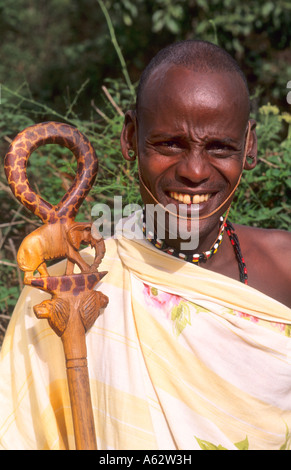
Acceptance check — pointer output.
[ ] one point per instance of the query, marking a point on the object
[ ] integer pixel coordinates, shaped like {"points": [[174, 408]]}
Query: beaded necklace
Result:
{"points": [[198, 257], [236, 246]]}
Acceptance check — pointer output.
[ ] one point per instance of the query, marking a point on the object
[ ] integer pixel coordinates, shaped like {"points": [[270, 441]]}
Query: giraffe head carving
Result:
{"points": [[25, 143], [55, 238]]}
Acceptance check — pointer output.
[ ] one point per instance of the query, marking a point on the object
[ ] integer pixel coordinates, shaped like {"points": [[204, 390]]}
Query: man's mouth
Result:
{"points": [[189, 198]]}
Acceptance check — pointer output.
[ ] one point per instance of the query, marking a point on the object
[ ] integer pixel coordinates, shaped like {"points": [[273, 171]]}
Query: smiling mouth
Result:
{"points": [[189, 198]]}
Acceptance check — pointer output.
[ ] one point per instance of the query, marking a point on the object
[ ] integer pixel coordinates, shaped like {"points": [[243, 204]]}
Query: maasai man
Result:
{"points": [[193, 350]]}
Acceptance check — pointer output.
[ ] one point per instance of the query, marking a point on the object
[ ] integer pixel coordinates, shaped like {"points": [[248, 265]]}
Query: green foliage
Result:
{"points": [[264, 195], [8, 291], [169, 15], [56, 45]]}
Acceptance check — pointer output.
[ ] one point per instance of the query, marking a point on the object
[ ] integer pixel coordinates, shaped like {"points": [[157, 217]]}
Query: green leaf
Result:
{"points": [[286, 444], [267, 8], [206, 445], [242, 445], [172, 25]]}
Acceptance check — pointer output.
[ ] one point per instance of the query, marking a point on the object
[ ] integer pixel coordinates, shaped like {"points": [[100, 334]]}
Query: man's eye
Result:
{"points": [[169, 144], [219, 147]]}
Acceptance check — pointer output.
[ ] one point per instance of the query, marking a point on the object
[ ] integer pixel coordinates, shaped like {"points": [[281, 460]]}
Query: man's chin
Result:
{"points": [[177, 229]]}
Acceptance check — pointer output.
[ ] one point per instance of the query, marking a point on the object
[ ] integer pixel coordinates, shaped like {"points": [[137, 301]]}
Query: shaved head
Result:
{"points": [[199, 56]]}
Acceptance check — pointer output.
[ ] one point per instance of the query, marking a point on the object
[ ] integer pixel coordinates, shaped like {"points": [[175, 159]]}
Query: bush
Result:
{"points": [[264, 195]]}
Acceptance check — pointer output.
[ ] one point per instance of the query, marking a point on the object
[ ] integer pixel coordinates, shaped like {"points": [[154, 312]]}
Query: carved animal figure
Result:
{"points": [[87, 234], [60, 235], [57, 311], [58, 240]]}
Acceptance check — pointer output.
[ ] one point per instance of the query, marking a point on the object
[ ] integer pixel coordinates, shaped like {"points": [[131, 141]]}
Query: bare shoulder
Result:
{"points": [[267, 254], [271, 242]]}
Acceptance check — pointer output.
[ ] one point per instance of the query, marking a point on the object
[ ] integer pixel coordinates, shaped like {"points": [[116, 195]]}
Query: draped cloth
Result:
{"points": [[181, 358]]}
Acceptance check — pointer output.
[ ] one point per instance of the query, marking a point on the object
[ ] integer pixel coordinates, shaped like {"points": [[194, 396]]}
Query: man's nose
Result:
{"points": [[194, 166]]}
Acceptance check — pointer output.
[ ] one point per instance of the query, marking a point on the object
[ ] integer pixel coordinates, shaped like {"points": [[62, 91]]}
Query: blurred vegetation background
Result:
{"points": [[78, 61]]}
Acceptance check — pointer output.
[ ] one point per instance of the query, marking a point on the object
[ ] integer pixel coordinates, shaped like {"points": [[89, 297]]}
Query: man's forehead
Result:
{"points": [[190, 80], [177, 99], [171, 86]]}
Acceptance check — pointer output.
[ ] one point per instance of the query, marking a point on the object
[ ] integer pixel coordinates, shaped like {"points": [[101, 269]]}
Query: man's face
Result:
{"points": [[191, 135]]}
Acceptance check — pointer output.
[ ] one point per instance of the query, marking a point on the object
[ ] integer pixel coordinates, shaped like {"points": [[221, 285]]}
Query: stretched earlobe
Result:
{"points": [[128, 137], [130, 156], [250, 162], [251, 157]]}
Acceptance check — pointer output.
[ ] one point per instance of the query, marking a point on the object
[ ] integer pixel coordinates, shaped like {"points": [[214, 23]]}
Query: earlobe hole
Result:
{"points": [[250, 162]]}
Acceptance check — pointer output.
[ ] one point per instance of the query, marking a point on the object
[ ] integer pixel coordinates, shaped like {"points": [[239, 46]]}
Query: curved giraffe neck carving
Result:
{"points": [[25, 143]]}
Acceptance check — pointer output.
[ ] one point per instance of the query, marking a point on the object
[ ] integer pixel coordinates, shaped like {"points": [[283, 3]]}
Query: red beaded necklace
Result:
{"points": [[236, 246]]}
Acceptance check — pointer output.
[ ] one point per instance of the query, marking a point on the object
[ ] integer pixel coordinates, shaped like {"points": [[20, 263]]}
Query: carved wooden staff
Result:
{"points": [[74, 304]]}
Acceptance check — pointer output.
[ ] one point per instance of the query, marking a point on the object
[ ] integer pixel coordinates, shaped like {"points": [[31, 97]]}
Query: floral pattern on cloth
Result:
{"points": [[172, 306], [206, 445], [177, 309], [243, 445], [279, 327]]}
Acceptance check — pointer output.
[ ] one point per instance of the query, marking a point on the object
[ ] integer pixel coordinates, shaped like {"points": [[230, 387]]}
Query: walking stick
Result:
{"points": [[74, 304]]}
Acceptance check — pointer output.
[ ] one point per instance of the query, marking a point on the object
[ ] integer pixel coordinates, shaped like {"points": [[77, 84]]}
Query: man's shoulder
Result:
{"points": [[273, 242], [267, 253]]}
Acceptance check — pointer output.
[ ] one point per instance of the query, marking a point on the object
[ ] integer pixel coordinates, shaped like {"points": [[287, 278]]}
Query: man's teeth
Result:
{"points": [[187, 199]]}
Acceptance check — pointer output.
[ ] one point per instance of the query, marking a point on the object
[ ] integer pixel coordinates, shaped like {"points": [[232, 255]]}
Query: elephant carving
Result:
{"points": [[87, 234], [55, 241]]}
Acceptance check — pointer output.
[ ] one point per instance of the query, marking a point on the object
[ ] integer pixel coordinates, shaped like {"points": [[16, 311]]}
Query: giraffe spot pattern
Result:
{"points": [[25, 143]]}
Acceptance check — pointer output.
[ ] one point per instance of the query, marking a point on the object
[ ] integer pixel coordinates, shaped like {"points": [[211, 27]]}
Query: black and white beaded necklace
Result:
{"points": [[197, 258]]}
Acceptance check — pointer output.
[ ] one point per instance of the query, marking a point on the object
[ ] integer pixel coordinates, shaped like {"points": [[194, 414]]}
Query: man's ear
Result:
{"points": [[252, 147], [128, 138]]}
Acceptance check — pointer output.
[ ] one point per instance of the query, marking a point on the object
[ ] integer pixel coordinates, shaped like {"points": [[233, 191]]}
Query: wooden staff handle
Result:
{"points": [[75, 350], [74, 304], [84, 435]]}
